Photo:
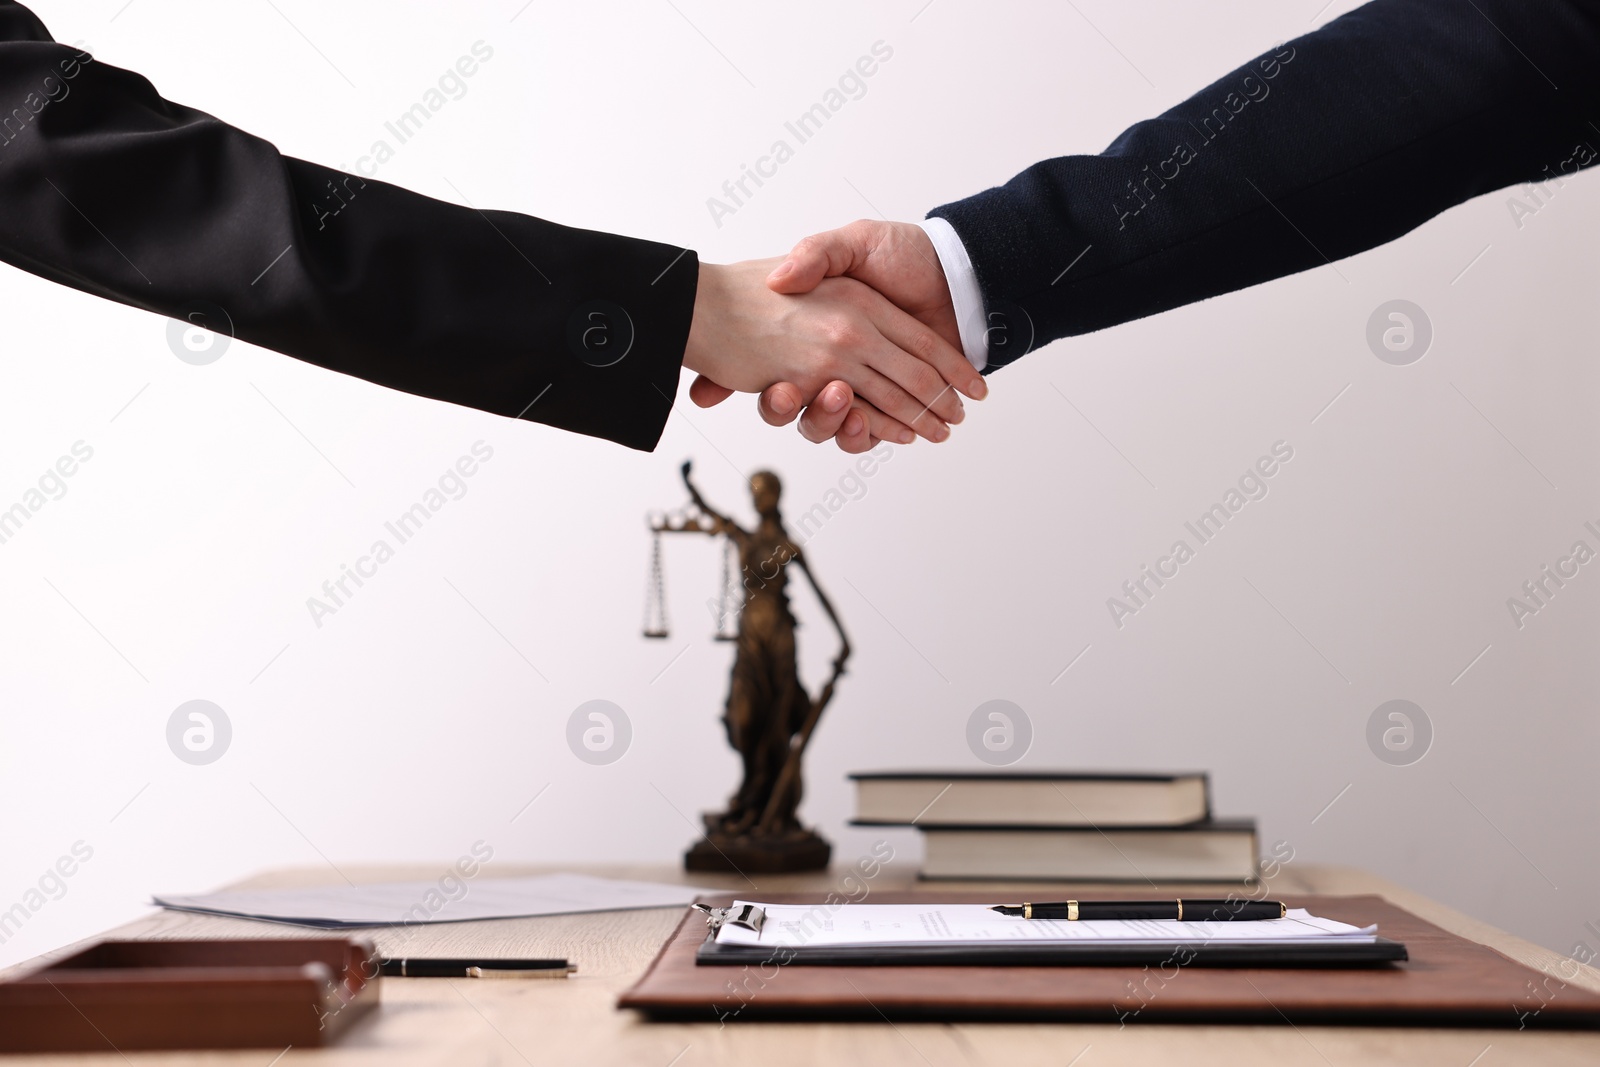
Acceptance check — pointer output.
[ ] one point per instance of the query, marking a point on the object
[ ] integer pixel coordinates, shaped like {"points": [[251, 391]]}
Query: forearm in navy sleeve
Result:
{"points": [[1325, 146]]}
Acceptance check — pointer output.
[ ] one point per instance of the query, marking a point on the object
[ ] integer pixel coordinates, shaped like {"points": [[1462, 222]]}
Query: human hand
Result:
{"points": [[898, 260], [895, 258], [840, 335]]}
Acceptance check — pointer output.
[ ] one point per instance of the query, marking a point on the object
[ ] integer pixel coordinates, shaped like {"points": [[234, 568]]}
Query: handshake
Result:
{"points": [[854, 332]]}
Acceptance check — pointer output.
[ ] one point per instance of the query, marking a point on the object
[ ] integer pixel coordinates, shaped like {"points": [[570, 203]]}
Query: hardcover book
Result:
{"points": [[1030, 799], [1212, 851]]}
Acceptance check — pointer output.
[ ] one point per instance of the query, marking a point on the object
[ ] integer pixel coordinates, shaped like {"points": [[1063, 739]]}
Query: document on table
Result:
{"points": [[872, 925], [445, 900]]}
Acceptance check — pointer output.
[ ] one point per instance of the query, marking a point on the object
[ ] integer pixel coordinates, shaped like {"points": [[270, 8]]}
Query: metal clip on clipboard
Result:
{"points": [[748, 916]]}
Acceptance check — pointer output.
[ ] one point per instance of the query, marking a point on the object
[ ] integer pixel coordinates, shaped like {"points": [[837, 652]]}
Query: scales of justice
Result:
{"points": [[769, 715]]}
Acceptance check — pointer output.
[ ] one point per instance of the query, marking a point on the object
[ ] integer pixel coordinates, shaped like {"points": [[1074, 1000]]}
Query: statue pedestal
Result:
{"points": [[798, 850]]}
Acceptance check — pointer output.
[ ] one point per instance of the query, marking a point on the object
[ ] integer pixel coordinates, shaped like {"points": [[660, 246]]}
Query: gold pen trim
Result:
{"points": [[1027, 910], [506, 972], [1180, 909], [1072, 911]]}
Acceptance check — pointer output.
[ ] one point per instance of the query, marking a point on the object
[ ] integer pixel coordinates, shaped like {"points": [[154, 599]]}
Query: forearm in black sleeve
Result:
{"points": [[1326, 146], [109, 188]]}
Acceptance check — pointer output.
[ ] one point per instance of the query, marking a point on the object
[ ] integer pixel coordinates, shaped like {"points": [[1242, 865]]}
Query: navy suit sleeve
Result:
{"points": [[1326, 146], [107, 187]]}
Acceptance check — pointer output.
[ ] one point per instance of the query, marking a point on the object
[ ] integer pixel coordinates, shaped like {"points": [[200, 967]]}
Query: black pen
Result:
{"points": [[1192, 909], [403, 967]]}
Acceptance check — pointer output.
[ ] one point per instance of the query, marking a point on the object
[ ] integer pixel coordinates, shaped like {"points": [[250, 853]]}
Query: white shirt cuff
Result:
{"points": [[965, 295]]}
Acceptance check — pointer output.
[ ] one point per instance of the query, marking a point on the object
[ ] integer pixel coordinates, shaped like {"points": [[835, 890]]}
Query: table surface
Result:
{"points": [[575, 1021]]}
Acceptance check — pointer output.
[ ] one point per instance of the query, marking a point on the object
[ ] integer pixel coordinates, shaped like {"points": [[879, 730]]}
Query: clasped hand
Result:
{"points": [[853, 332]]}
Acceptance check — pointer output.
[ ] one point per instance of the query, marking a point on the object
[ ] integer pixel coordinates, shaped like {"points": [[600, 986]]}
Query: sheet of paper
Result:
{"points": [[821, 925], [396, 903]]}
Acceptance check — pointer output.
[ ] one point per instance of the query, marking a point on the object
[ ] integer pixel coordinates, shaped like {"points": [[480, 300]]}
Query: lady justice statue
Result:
{"points": [[770, 716]]}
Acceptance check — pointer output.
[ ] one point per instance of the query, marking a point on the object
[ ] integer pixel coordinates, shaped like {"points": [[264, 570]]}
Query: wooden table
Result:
{"points": [[505, 1024]]}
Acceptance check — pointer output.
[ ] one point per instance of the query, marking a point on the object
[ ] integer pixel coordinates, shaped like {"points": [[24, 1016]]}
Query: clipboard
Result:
{"points": [[1152, 954], [1330, 953], [1445, 980]]}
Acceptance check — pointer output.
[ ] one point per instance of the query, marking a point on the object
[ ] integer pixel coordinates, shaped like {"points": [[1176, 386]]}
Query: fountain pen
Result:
{"points": [[399, 967], [1177, 908]]}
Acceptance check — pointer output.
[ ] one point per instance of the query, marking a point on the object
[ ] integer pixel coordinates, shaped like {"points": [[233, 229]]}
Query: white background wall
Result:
{"points": [[220, 497]]}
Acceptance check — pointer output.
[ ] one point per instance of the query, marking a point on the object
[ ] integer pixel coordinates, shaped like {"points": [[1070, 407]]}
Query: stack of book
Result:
{"points": [[1084, 827]]}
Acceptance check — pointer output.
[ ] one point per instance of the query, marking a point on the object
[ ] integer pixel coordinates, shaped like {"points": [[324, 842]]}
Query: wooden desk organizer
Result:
{"points": [[123, 995]]}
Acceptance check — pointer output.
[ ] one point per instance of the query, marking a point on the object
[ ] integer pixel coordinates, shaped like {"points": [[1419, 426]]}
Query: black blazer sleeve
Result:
{"points": [[1326, 146], [107, 187]]}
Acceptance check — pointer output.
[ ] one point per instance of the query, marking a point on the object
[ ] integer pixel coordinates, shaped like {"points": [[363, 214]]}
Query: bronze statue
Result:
{"points": [[769, 716]]}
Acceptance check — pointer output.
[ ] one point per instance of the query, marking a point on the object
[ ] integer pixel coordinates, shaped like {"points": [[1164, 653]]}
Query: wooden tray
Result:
{"points": [[123, 995]]}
